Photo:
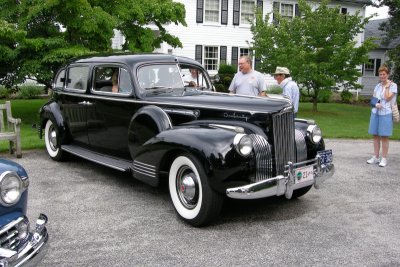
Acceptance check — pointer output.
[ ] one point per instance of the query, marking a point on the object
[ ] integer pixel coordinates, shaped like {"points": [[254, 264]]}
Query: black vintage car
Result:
{"points": [[158, 117]]}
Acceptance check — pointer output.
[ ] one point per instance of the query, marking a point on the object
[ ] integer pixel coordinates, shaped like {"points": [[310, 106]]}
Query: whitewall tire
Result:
{"points": [[193, 199], [52, 142]]}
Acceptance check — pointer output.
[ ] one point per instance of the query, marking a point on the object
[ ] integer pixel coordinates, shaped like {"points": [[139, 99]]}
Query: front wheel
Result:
{"points": [[193, 199], [52, 142]]}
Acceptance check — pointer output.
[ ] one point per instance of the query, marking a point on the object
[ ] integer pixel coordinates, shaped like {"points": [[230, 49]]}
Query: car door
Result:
{"points": [[110, 110], [73, 102]]}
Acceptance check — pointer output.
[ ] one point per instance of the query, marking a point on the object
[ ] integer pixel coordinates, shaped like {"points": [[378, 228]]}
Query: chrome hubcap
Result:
{"points": [[187, 187], [53, 138]]}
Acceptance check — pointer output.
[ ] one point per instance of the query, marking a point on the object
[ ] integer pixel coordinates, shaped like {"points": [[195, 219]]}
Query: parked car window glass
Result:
{"points": [[194, 77], [77, 77], [125, 86], [59, 80], [106, 79], [156, 76]]}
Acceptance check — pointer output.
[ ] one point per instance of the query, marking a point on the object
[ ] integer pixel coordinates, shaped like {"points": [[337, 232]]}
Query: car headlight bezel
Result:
{"points": [[11, 188], [243, 144], [314, 133]]}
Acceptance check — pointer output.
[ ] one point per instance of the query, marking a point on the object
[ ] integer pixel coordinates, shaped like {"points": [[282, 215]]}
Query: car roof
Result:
{"points": [[133, 59]]}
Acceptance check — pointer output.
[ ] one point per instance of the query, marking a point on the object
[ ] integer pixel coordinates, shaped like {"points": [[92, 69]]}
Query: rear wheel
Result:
{"points": [[52, 141], [193, 199]]}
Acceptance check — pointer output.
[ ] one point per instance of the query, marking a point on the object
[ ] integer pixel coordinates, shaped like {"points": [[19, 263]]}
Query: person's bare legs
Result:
{"points": [[377, 145], [385, 146]]}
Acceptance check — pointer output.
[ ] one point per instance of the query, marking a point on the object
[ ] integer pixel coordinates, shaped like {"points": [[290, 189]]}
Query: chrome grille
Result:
{"points": [[284, 140], [9, 237], [262, 150], [301, 147]]}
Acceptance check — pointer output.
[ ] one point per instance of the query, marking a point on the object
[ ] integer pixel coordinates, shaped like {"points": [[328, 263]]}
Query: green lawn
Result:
{"points": [[28, 112], [335, 120], [342, 120]]}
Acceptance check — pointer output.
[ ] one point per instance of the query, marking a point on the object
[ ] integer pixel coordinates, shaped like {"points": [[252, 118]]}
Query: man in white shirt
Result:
{"points": [[290, 88], [247, 81]]}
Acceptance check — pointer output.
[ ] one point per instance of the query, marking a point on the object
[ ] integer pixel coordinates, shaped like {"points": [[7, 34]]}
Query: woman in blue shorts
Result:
{"points": [[381, 122]]}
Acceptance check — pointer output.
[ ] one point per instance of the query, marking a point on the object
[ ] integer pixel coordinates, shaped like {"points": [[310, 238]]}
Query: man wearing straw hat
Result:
{"points": [[290, 88]]}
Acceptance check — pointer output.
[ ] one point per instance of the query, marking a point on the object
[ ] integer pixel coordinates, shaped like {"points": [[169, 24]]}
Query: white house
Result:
{"points": [[377, 56], [218, 31]]}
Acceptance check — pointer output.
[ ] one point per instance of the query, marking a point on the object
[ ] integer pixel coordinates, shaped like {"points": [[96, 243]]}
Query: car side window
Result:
{"points": [[112, 79], [59, 80], [77, 77]]}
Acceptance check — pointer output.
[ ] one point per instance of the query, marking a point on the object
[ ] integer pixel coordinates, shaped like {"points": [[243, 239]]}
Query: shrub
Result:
{"points": [[4, 93], [324, 96], [346, 96], [226, 74], [221, 88], [29, 92], [274, 89]]}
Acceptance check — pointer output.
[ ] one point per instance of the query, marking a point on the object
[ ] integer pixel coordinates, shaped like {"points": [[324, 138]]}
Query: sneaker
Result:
{"points": [[383, 162], [373, 160]]}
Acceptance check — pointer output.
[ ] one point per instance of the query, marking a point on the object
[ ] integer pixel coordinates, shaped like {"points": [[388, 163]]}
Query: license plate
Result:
{"points": [[304, 174], [326, 156]]}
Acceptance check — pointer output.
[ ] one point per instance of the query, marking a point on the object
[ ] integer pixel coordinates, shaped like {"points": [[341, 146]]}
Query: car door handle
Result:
{"points": [[85, 103]]}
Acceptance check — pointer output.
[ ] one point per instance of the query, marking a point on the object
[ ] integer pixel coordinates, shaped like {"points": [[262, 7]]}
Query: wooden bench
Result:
{"points": [[10, 129]]}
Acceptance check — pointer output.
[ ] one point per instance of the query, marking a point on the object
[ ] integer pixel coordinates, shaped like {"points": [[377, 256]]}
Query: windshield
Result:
{"points": [[171, 79]]}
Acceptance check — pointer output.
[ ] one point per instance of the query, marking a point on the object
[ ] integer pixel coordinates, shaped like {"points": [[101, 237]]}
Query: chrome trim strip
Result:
{"points": [[144, 164], [10, 225], [141, 172], [263, 153], [162, 103], [283, 185]]}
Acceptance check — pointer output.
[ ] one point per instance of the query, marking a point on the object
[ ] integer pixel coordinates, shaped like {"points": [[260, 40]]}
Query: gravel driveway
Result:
{"points": [[98, 216]]}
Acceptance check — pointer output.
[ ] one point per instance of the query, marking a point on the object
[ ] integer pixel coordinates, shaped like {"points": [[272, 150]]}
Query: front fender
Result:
{"points": [[213, 147]]}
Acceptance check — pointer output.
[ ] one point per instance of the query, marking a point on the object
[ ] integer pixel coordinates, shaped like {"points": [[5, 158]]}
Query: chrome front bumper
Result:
{"points": [[32, 252], [283, 184]]}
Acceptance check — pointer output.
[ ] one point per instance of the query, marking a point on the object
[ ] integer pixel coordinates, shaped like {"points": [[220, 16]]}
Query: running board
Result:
{"points": [[112, 162]]}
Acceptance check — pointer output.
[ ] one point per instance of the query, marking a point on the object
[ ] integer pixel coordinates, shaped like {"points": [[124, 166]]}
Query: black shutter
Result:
{"points": [[275, 9], [362, 69], [343, 11], [223, 54], [377, 66], [199, 11], [297, 12], [260, 4], [199, 54], [234, 61], [224, 12], [236, 12]]}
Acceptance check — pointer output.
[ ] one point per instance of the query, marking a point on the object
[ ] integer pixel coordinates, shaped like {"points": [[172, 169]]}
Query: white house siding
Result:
{"points": [[209, 34]]}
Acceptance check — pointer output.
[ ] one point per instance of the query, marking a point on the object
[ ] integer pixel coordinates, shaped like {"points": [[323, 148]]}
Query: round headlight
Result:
{"points": [[10, 188], [315, 134], [243, 144]]}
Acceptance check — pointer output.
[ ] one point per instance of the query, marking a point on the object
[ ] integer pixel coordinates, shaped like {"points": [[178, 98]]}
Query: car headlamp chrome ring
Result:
{"points": [[314, 133], [11, 188], [243, 144]]}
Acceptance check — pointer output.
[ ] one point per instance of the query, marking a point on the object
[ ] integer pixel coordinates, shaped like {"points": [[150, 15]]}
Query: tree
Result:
{"points": [[392, 29], [38, 36], [318, 47]]}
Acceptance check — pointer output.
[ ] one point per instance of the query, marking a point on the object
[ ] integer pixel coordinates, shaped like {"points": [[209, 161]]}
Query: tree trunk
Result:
{"points": [[315, 103]]}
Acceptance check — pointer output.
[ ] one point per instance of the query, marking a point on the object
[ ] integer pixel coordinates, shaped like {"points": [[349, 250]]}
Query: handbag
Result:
{"points": [[374, 101]]}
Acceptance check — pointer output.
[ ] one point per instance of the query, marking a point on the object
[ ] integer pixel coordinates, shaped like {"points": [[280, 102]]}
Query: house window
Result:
{"points": [[247, 11], [244, 52], [211, 11], [287, 11], [371, 68], [211, 57]]}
